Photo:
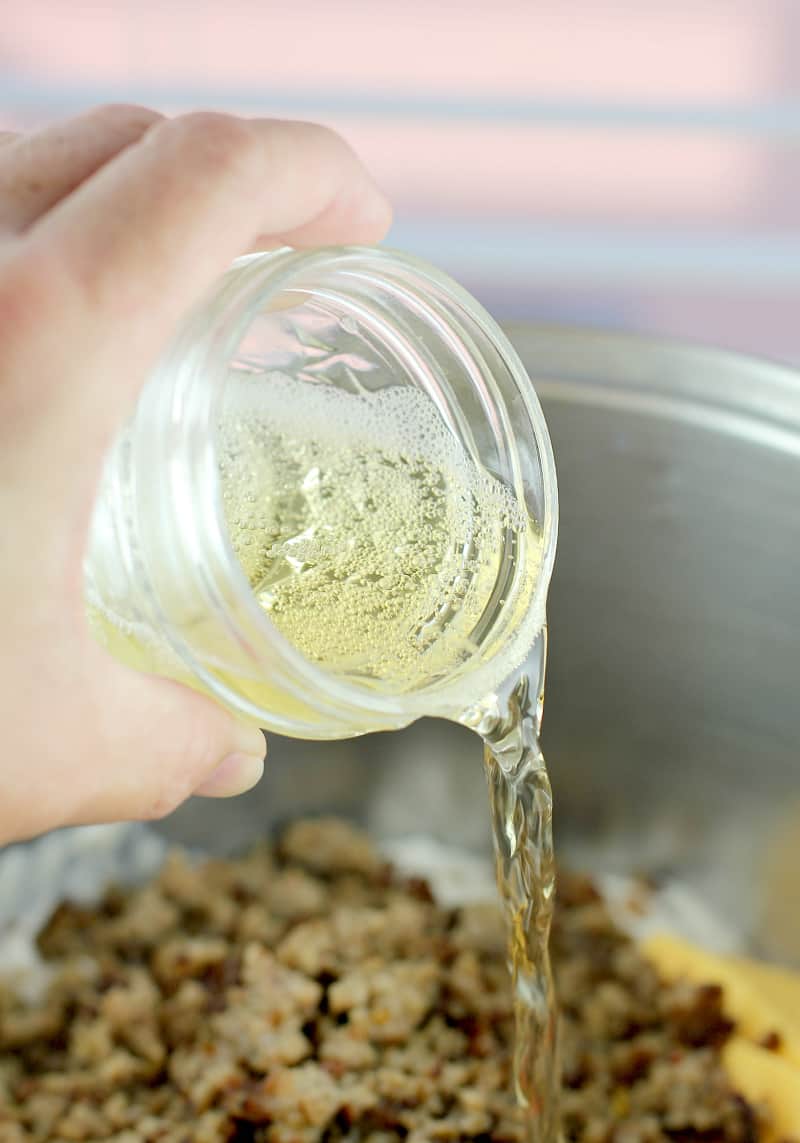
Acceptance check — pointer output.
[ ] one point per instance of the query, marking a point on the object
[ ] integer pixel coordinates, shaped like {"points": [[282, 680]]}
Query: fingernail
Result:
{"points": [[234, 775], [249, 740]]}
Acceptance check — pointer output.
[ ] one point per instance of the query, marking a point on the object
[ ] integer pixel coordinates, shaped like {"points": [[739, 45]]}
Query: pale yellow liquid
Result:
{"points": [[375, 555], [373, 542]]}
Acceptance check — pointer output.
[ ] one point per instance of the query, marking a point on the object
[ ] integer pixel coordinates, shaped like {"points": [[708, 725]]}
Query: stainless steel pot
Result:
{"points": [[672, 720]]}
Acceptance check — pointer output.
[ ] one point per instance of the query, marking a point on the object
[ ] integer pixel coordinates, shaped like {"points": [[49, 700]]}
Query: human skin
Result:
{"points": [[112, 225]]}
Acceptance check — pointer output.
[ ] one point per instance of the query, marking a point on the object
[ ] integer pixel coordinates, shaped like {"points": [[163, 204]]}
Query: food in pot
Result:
{"points": [[306, 992]]}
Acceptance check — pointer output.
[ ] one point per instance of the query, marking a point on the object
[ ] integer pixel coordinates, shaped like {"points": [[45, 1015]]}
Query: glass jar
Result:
{"points": [[165, 589]]}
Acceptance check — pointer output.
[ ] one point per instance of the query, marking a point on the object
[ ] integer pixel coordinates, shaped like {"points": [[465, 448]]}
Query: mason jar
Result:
{"points": [[166, 591]]}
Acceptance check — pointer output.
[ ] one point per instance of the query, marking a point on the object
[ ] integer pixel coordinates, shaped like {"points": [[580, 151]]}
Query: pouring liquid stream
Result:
{"points": [[521, 815]]}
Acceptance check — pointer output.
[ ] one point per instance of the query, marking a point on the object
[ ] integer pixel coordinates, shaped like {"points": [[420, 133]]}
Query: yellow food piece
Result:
{"points": [[762, 1000], [762, 1077], [779, 986]]}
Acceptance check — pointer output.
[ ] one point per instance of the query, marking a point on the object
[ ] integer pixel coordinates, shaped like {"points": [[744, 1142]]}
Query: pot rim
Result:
{"points": [[722, 391]]}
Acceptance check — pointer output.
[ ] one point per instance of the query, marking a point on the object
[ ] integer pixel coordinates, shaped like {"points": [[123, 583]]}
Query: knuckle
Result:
{"points": [[125, 117], [330, 141], [173, 786], [326, 142], [222, 143], [166, 799], [194, 753], [319, 132]]}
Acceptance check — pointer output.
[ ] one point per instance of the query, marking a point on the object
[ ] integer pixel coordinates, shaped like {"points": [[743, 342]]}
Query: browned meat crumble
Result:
{"points": [[306, 993]]}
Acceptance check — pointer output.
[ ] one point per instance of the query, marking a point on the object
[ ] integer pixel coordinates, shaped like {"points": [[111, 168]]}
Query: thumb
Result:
{"points": [[159, 743]]}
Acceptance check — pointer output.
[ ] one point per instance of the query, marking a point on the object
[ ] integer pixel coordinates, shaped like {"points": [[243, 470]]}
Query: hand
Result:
{"points": [[111, 226]]}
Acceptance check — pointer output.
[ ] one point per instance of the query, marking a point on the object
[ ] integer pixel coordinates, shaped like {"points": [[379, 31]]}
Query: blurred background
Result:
{"points": [[623, 163]]}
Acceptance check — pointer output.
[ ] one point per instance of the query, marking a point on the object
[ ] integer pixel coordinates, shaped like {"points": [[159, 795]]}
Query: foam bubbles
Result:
{"points": [[368, 534]]}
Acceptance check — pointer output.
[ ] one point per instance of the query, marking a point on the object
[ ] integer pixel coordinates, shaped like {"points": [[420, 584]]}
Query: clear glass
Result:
{"points": [[164, 586]]}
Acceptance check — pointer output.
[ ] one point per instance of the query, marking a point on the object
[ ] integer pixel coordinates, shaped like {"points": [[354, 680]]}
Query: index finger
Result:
{"points": [[144, 237]]}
